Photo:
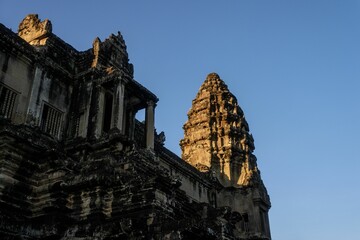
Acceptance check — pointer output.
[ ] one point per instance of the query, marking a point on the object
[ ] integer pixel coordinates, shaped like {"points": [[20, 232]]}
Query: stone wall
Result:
{"points": [[76, 164]]}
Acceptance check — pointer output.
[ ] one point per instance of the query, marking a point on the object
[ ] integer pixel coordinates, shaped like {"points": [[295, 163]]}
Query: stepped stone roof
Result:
{"points": [[217, 136]]}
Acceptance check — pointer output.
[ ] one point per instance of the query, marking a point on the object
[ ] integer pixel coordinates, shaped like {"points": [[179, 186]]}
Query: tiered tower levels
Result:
{"points": [[217, 136]]}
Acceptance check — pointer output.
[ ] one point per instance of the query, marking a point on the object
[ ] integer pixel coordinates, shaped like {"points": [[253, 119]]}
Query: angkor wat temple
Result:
{"points": [[75, 163]]}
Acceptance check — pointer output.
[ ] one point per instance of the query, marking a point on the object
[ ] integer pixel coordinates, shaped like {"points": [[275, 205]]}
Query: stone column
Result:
{"points": [[131, 116], [100, 95], [150, 122], [118, 107]]}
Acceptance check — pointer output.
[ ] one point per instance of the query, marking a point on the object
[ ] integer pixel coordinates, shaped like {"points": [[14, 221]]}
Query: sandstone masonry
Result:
{"points": [[75, 163]]}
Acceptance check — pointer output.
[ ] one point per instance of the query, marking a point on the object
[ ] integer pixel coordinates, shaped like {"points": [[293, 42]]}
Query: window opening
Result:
{"points": [[77, 125], [75, 130], [7, 101], [262, 221], [246, 222], [107, 112], [51, 120], [213, 200], [140, 115]]}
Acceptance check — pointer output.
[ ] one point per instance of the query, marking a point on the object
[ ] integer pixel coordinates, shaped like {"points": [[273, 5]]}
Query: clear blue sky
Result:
{"points": [[293, 65]]}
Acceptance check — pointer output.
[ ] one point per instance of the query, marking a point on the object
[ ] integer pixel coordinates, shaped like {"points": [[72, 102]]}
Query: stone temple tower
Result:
{"points": [[217, 141], [217, 136], [72, 150]]}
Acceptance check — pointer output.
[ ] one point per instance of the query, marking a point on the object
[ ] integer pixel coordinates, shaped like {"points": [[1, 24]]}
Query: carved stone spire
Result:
{"points": [[217, 137], [96, 52]]}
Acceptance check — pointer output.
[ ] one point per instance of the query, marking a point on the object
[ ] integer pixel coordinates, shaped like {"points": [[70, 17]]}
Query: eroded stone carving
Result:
{"points": [[96, 50], [33, 30]]}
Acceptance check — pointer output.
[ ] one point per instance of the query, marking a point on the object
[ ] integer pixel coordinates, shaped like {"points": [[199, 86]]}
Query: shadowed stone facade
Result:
{"points": [[76, 164]]}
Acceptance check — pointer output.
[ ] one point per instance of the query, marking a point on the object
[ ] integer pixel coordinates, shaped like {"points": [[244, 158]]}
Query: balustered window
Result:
{"points": [[51, 120], [245, 222], [7, 101]]}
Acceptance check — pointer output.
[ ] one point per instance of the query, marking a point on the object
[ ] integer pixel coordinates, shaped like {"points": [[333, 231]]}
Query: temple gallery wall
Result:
{"points": [[75, 163]]}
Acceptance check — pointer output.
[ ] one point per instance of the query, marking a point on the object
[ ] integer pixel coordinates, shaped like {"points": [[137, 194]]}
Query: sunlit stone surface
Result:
{"points": [[217, 136], [76, 164], [35, 32]]}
